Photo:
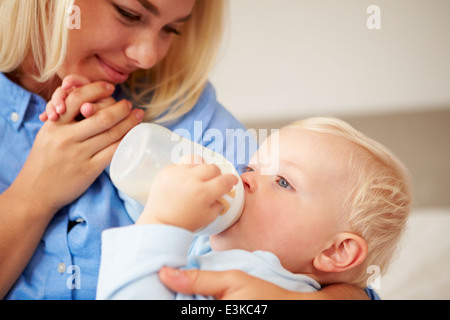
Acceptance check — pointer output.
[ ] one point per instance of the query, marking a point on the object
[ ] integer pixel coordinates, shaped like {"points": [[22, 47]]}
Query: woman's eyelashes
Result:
{"points": [[130, 17], [172, 30], [134, 18]]}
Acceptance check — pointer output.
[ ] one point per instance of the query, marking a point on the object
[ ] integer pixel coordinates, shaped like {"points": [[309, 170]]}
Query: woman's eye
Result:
{"points": [[127, 15], [284, 183], [172, 30]]}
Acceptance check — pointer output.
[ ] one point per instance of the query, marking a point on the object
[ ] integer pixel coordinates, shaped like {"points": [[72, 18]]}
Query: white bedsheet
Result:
{"points": [[422, 269]]}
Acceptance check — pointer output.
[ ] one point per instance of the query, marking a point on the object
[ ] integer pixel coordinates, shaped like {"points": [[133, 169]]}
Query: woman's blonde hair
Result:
{"points": [[167, 91], [36, 26], [179, 79], [378, 202]]}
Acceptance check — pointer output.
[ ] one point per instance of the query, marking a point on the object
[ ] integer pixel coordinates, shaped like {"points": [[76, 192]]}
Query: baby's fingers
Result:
{"points": [[74, 81], [43, 116], [192, 159], [57, 105], [221, 185], [49, 113], [59, 96]]}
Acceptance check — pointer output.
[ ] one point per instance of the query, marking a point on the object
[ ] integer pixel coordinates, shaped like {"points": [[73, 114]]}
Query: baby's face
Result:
{"points": [[296, 210]]}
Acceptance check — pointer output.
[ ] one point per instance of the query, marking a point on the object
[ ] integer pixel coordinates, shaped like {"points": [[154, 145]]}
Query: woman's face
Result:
{"points": [[118, 37]]}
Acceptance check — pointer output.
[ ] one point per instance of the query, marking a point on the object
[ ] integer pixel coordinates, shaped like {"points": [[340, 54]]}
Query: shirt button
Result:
{"points": [[61, 267], [15, 117]]}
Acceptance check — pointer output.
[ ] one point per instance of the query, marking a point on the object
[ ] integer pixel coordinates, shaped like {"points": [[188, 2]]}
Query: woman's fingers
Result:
{"points": [[111, 138], [108, 125], [103, 119], [224, 285], [57, 145]]}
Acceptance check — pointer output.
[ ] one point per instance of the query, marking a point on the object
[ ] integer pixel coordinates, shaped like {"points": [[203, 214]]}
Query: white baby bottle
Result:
{"points": [[149, 147]]}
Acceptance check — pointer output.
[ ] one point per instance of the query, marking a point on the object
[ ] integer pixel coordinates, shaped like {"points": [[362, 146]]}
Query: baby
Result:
{"points": [[337, 204]]}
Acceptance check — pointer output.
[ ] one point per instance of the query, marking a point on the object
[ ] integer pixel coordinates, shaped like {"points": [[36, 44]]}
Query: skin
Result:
{"points": [[141, 39], [39, 191], [237, 285], [41, 188], [294, 213], [295, 210]]}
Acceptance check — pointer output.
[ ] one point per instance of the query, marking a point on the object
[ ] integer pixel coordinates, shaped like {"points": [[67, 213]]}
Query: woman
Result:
{"points": [[55, 196], [53, 213]]}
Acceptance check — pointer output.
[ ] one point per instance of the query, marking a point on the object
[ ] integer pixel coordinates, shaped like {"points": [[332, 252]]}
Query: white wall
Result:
{"points": [[291, 58]]}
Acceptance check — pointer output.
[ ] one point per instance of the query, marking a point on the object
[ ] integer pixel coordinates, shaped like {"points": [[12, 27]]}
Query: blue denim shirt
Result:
{"points": [[65, 264]]}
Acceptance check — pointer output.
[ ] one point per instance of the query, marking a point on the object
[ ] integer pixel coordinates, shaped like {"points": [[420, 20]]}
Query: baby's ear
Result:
{"points": [[346, 252]]}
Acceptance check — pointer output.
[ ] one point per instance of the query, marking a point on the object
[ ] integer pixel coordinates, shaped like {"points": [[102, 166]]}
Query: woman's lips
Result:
{"points": [[113, 74]]}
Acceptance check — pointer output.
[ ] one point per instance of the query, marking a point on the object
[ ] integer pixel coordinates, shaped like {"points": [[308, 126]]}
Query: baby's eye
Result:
{"points": [[248, 169], [282, 182]]}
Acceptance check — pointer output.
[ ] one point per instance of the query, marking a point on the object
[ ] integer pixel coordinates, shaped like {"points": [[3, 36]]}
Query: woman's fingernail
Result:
{"points": [[173, 272], [109, 87]]}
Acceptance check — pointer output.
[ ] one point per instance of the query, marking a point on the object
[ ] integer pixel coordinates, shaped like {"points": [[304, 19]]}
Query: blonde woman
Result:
{"points": [[55, 198]]}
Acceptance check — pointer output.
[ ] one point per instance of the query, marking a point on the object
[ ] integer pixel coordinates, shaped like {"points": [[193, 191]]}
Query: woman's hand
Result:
{"points": [[57, 105], [223, 285], [68, 155], [237, 285]]}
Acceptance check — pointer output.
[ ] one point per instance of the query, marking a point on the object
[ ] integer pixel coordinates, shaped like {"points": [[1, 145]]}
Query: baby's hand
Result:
{"points": [[57, 106], [187, 196]]}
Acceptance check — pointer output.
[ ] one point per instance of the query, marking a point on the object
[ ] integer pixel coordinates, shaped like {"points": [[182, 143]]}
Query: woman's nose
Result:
{"points": [[143, 51]]}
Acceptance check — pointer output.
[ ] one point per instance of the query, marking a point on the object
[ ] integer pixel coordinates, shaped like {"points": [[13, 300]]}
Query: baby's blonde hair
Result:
{"points": [[378, 202], [167, 91]]}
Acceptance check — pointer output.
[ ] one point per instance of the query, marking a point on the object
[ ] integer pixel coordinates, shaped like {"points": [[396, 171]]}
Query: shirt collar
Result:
{"points": [[15, 100]]}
